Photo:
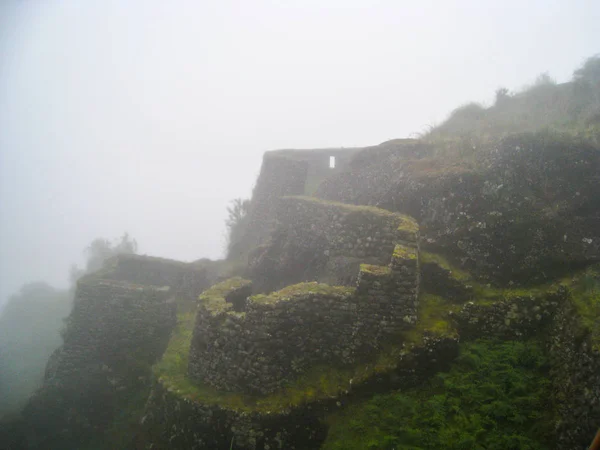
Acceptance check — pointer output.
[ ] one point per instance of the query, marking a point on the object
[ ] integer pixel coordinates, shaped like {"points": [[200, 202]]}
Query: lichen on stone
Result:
{"points": [[375, 270], [404, 252], [214, 298], [301, 290]]}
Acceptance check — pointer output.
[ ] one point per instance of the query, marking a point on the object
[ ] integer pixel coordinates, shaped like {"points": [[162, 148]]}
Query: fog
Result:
{"points": [[149, 116]]}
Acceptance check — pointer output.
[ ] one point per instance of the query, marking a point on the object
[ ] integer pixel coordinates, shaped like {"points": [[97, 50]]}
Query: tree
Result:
{"points": [[237, 213], [100, 250], [589, 72], [501, 95]]}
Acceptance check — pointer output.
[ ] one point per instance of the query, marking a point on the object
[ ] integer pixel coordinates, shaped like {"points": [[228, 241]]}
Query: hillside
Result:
{"points": [[441, 292]]}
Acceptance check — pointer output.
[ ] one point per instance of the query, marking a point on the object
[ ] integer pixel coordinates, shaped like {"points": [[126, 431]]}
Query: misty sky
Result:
{"points": [[149, 116]]}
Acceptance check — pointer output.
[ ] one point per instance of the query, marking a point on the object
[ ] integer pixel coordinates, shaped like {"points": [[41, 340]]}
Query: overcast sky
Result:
{"points": [[149, 116]]}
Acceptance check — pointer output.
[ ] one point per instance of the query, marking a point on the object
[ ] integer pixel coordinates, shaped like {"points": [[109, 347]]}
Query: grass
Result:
{"points": [[494, 397], [345, 207], [319, 383], [487, 294], [327, 382]]}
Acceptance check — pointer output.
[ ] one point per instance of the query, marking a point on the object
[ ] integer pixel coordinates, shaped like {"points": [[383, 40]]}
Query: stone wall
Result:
{"points": [[575, 377], [176, 423], [115, 332], [279, 336], [120, 324], [279, 176], [285, 173], [526, 214], [323, 241]]}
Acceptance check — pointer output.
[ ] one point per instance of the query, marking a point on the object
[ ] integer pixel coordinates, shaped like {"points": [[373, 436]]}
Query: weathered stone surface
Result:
{"points": [[311, 234], [173, 422], [515, 316], [279, 336], [575, 378], [120, 324], [531, 209]]}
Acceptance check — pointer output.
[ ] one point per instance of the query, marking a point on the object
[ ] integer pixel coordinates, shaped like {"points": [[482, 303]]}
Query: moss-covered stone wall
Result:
{"points": [[316, 240], [526, 213], [275, 338]]}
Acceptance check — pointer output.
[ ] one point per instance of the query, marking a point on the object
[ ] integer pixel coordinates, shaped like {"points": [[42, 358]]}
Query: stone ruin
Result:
{"points": [[256, 343]]}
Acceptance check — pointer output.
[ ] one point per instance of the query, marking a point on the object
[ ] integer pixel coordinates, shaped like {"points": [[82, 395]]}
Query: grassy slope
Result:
{"points": [[493, 397]]}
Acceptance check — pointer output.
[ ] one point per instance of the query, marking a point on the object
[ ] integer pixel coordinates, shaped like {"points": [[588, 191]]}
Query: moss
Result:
{"points": [[375, 270], [408, 228], [433, 318], [486, 294], [213, 299], [344, 206], [434, 258], [303, 289], [404, 252], [320, 382]]}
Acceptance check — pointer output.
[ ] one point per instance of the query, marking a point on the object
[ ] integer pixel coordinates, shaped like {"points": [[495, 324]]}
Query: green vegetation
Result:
{"points": [[321, 382], [487, 294], [571, 108], [375, 270], [494, 397], [348, 208], [214, 298], [408, 229], [404, 252]]}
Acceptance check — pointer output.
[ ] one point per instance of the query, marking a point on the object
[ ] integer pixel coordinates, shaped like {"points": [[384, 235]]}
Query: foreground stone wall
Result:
{"points": [[173, 422], [274, 338], [326, 241]]}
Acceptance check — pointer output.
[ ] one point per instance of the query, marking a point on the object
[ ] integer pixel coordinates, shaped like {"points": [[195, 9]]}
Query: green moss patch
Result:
{"points": [[408, 229], [301, 290], [495, 396], [432, 318], [487, 294], [404, 252], [214, 299], [374, 270], [434, 258], [319, 383]]}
